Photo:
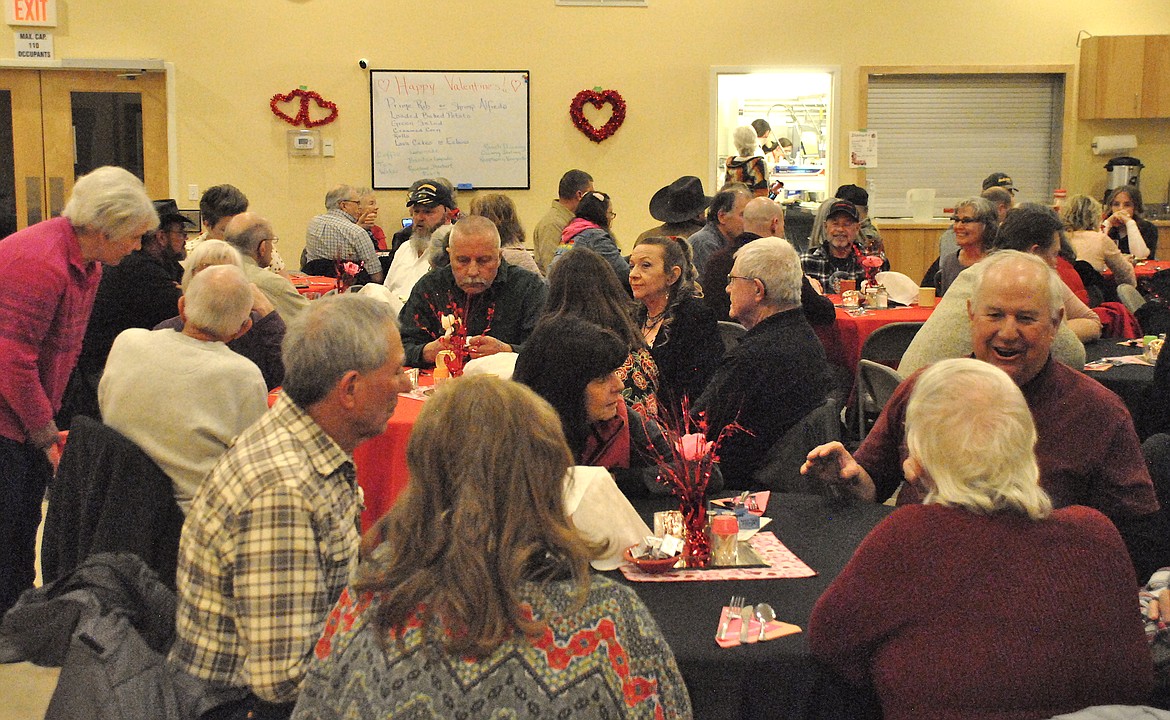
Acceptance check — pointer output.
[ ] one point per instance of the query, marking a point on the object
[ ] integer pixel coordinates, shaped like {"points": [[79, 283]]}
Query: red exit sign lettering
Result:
{"points": [[31, 12]]}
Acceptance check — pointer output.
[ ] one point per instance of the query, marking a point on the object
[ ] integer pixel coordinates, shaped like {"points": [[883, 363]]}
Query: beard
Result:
{"points": [[420, 240]]}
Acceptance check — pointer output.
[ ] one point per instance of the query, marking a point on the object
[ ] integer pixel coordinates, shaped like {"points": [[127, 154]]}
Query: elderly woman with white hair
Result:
{"points": [[261, 344], [746, 166], [983, 601], [49, 275]]}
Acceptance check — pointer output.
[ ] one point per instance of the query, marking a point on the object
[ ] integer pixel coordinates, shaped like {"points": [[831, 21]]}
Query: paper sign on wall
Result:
{"points": [[36, 13], [863, 149], [32, 44]]}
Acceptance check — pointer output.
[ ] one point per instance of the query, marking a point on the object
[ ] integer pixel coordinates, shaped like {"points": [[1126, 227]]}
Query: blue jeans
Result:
{"points": [[24, 474]]}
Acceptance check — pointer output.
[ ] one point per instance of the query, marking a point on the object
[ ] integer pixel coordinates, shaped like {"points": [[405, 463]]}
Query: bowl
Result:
{"points": [[653, 567]]}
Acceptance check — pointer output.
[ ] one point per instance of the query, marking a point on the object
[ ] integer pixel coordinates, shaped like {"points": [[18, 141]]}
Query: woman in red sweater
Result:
{"points": [[984, 601]]}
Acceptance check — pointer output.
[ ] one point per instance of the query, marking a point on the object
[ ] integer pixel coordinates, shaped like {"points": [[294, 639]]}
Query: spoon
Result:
{"points": [[745, 617], [766, 614]]}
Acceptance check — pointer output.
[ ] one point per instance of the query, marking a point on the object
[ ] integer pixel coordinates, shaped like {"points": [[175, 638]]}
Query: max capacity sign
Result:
{"points": [[32, 44], [35, 13]]}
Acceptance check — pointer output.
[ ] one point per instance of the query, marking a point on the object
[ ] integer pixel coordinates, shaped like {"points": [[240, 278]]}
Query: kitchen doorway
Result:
{"points": [[798, 106], [56, 125]]}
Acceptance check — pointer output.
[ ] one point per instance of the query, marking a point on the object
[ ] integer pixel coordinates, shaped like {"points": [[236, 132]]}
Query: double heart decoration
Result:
{"points": [[302, 116], [597, 98]]}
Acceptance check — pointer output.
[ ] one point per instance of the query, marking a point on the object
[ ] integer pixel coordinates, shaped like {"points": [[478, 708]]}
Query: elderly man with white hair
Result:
{"points": [[777, 373], [49, 274], [1088, 451], [184, 396]]}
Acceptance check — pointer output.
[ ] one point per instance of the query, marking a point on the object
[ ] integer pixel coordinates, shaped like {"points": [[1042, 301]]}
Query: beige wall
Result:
{"points": [[231, 57]]}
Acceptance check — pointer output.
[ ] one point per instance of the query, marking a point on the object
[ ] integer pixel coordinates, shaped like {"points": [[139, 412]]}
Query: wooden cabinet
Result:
{"points": [[911, 247], [1124, 77]]}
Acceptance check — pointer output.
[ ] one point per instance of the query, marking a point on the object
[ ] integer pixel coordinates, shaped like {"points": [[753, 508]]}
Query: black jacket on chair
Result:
{"points": [[109, 496]]}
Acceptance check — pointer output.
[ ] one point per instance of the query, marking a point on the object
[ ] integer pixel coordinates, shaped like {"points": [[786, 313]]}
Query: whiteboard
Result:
{"points": [[470, 127]]}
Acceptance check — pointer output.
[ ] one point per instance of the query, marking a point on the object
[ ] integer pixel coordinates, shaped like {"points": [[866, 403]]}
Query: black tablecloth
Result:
{"points": [[778, 678], [1128, 381]]}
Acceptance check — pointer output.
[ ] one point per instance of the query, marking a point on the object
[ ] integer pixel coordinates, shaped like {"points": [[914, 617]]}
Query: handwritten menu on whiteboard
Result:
{"points": [[470, 127]]}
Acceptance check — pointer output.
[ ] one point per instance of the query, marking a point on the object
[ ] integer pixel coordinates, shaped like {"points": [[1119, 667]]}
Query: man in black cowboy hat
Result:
{"points": [[680, 207]]}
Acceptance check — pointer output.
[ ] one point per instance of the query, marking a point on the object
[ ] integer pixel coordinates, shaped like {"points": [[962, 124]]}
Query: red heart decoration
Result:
{"points": [[598, 99], [302, 116], [322, 104], [277, 99]]}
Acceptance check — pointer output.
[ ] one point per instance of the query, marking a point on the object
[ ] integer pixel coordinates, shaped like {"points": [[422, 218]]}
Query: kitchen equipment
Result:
{"points": [[1124, 171]]}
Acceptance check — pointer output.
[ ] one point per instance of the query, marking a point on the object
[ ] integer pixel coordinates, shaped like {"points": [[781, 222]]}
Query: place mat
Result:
{"points": [[775, 629], [782, 562]]}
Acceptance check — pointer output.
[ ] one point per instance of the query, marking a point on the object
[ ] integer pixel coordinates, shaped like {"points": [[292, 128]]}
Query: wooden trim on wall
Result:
{"points": [[1067, 119]]}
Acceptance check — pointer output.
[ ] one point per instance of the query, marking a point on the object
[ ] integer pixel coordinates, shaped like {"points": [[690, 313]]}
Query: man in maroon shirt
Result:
{"points": [[49, 274], [1088, 451]]}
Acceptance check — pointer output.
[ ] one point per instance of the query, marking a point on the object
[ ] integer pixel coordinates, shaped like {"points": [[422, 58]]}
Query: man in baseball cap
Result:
{"points": [[998, 179], [838, 257]]}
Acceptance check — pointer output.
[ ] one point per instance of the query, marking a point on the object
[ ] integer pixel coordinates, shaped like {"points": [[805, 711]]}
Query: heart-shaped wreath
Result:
{"points": [[302, 116], [597, 98]]}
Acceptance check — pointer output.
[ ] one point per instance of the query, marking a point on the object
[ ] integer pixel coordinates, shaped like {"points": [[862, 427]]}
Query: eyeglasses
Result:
{"points": [[272, 239], [964, 221], [739, 277]]}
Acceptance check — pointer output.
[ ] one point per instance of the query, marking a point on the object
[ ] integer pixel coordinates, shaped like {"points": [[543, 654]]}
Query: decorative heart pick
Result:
{"points": [[302, 116], [598, 98]]}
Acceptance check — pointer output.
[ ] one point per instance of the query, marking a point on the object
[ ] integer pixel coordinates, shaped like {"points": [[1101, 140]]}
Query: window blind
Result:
{"points": [[949, 132]]}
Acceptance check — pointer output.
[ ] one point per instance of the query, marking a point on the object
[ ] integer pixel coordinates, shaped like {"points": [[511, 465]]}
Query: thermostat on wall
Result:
{"points": [[304, 142]]}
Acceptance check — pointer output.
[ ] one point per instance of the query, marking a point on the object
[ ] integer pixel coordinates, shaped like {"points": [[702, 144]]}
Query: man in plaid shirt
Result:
{"points": [[271, 537], [839, 257], [335, 235]]}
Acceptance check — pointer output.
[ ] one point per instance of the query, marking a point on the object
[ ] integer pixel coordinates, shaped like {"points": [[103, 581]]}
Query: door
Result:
{"points": [[58, 125]]}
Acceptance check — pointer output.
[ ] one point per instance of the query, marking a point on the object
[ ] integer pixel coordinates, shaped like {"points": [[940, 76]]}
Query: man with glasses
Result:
{"points": [[777, 374], [252, 235], [335, 235]]}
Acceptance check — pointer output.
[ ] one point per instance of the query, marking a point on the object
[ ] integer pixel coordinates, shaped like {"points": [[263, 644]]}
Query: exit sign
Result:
{"points": [[37, 13]]}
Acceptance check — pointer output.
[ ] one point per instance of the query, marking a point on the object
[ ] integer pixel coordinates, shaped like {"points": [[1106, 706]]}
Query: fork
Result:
{"points": [[732, 611]]}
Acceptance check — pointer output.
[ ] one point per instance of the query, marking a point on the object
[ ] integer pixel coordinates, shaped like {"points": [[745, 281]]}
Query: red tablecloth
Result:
{"points": [[843, 340], [381, 462], [306, 284], [1144, 268]]}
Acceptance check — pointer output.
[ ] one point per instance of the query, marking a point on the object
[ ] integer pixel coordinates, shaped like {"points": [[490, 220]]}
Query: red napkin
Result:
{"points": [[774, 630]]}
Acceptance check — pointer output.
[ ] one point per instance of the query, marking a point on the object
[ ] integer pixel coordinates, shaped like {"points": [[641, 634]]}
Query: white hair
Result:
{"points": [[218, 301], [744, 138], [112, 201], [774, 262], [970, 429], [209, 253], [1052, 282]]}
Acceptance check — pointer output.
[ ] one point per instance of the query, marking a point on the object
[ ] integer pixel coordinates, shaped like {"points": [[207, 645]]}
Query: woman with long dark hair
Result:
{"points": [[1133, 233]]}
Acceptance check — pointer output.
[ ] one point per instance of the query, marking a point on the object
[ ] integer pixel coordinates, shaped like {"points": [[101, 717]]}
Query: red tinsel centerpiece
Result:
{"points": [[686, 471]]}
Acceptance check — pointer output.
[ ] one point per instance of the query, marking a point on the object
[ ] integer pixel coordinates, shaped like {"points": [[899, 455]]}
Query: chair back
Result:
{"points": [[888, 343], [781, 469], [109, 496], [731, 332], [1156, 451], [875, 384]]}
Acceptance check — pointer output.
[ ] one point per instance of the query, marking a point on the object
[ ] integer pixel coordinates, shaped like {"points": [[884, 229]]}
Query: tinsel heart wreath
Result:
{"points": [[302, 117], [597, 99]]}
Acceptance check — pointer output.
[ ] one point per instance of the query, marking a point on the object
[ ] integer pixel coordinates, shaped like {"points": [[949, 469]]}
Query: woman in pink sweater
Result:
{"points": [[984, 601]]}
